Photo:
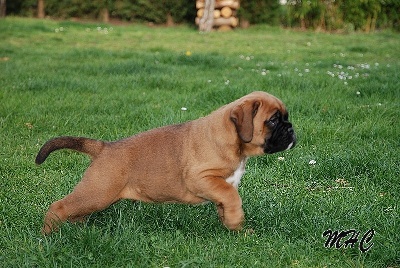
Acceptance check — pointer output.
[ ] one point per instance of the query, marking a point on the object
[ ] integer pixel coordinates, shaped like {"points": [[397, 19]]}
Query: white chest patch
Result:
{"points": [[234, 179]]}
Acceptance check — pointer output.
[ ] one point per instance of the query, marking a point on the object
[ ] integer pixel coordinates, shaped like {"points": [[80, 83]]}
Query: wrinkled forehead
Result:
{"points": [[272, 105]]}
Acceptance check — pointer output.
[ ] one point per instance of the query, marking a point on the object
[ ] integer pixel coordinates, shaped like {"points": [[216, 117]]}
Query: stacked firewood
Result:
{"points": [[225, 13]]}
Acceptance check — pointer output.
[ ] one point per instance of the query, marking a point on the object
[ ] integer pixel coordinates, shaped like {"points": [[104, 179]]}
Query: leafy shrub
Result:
{"points": [[327, 15]]}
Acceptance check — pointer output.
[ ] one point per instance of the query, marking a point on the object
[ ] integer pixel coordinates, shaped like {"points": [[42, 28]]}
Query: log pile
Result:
{"points": [[225, 13]]}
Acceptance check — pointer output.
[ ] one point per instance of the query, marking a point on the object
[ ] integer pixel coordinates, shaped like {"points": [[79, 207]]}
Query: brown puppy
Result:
{"points": [[197, 161]]}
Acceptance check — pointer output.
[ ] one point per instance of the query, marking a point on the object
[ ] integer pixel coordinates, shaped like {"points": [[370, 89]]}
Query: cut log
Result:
{"points": [[226, 12], [227, 3], [200, 13], [199, 4], [224, 28], [217, 13], [232, 21]]}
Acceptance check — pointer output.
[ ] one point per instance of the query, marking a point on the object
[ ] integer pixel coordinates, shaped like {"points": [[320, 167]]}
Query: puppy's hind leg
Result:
{"points": [[90, 195]]}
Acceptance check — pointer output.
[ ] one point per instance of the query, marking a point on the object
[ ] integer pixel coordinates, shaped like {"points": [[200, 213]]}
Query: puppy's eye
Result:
{"points": [[272, 122]]}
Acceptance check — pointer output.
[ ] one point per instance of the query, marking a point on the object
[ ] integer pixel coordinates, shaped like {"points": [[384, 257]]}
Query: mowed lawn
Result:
{"points": [[112, 81]]}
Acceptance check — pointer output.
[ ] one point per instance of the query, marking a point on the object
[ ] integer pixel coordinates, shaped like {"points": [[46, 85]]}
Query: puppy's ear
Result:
{"points": [[242, 116]]}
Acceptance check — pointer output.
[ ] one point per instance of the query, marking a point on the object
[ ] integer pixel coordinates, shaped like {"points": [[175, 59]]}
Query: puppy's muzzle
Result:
{"points": [[293, 136], [282, 138]]}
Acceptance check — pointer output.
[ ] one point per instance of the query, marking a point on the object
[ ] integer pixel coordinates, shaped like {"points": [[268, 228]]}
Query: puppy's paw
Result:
{"points": [[49, 228], [233, 220]]}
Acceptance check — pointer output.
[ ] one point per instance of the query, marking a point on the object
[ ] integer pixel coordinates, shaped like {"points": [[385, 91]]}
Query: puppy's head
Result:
{"points": [[262, 124]]}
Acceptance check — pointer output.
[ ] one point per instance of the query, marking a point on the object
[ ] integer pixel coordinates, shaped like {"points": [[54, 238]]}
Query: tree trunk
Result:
{"points": [[244, 23], [170, 20], [321, 25], [105, 15], [302, 23], [373, 22], [206, 22], [368, 24], [2, 8], [40, 9]]}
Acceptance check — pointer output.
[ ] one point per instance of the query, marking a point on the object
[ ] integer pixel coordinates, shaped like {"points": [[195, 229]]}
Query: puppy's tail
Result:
{"points": [[84, 145]]}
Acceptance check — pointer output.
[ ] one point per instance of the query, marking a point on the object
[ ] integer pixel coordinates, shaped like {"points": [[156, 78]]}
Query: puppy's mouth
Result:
{"points": [[292, 144]]}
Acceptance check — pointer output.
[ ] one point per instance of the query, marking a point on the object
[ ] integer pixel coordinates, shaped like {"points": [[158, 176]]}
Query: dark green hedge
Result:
{"points": [[327, 15], [155, 11]]}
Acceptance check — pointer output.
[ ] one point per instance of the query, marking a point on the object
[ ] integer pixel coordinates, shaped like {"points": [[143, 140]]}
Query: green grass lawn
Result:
{"points": [[109, 82]]}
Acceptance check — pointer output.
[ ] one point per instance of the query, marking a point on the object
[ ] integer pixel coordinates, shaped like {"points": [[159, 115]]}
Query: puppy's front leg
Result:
{"points": [[225, 197]]}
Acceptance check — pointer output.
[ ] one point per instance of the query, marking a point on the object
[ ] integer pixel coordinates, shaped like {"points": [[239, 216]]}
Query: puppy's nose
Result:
{"points": [[291, 131]]}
